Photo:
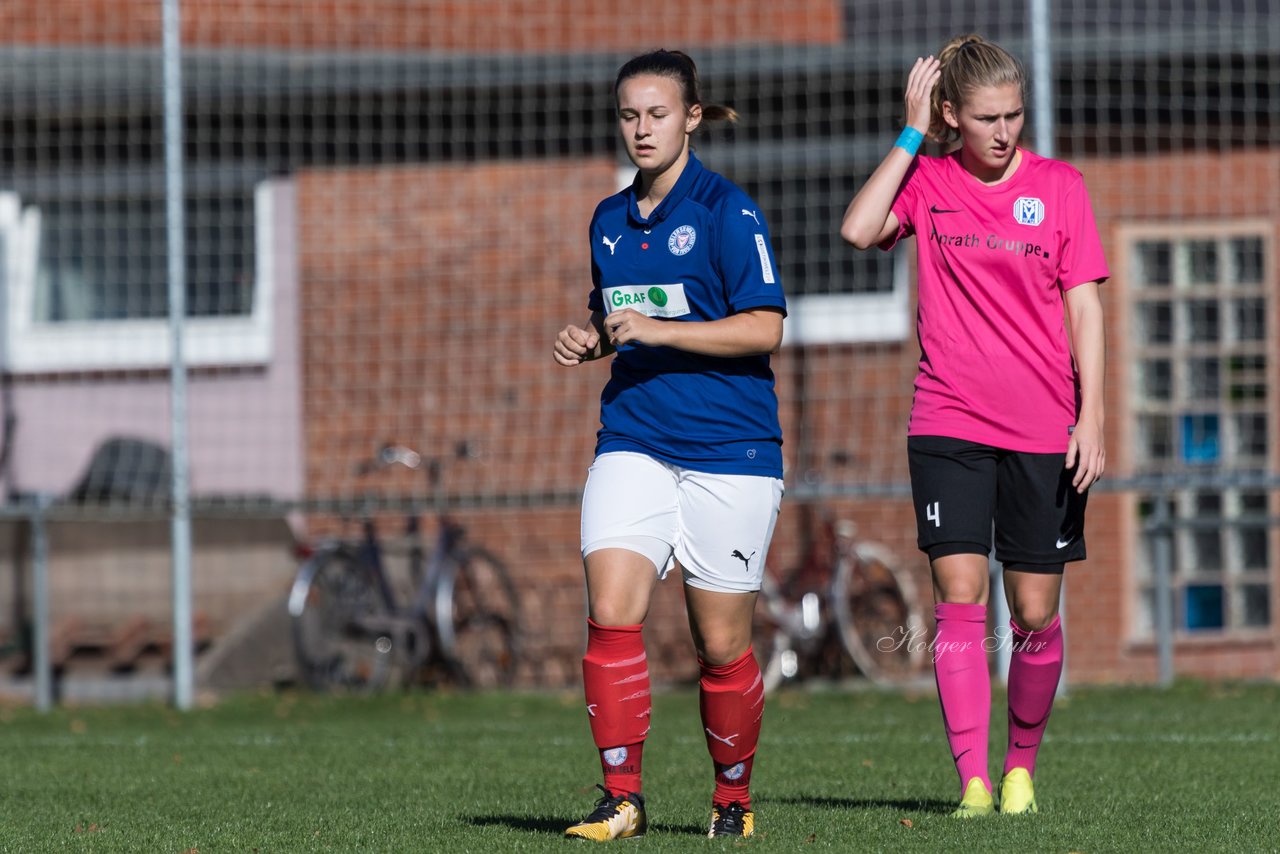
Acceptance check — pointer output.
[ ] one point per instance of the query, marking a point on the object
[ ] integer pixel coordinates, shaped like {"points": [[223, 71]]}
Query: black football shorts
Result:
{"points": [[961, 489]]}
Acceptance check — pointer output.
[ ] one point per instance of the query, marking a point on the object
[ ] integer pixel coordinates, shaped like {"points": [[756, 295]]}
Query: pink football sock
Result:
{"points": [[1035, 667], [964, 686]]}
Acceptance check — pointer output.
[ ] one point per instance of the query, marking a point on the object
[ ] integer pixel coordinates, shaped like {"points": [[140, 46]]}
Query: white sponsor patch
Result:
{"points": [[766, 269], [651, 300]]}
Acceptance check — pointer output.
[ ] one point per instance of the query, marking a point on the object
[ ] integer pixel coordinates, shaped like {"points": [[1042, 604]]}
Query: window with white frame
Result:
{"points": [[1202, 393], [86, 275], [835, 293]]}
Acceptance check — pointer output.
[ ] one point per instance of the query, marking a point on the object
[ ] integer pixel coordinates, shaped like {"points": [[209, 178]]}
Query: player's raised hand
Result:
{"points": [[575, 345], [923, 78]]}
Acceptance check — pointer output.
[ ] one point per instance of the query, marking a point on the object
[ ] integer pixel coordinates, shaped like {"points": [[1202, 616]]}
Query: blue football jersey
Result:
{"points": [[703, 254]]}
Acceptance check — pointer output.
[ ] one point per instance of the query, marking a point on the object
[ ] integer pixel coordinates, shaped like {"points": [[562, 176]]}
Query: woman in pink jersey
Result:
{"points": [[1007, 420]]}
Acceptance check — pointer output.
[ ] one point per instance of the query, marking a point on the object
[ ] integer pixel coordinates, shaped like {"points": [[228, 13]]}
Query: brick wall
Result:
{"points": [[1179, 189], [430, 298], [480, 26], [464, 299]]}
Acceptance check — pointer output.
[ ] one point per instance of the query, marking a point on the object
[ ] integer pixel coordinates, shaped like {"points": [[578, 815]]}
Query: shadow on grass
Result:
{"points": [[519, 822], [931, 805], [555, 827]]}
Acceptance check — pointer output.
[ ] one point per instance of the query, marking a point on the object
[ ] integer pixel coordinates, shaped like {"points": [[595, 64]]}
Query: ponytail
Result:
{"points": [[969, 62], [679, 66]]}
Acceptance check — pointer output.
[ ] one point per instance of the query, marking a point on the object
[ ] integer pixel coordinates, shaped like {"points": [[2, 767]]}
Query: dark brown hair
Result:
{"points": [[678, 66]]}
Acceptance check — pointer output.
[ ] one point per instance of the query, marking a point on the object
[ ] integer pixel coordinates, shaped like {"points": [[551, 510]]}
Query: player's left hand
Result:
{"points": [[628, 326], [1086, 454]]}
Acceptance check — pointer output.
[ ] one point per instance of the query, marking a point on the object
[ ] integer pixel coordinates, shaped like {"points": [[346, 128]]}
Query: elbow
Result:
{"points": [[859, 237], [768, 338]]}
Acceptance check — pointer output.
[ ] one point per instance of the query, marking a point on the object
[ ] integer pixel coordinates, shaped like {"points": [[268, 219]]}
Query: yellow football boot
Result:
{"points": [[1017, 794], [977, 801], [615, 817]]}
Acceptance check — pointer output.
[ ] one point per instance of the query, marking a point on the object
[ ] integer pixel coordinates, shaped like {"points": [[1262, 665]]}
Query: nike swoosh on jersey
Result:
{"points": [[1062, 544], [938, 210]]}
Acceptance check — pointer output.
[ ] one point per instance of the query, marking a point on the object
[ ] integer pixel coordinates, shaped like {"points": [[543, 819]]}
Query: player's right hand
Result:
{"points": [[924, 76], [575, 345]]}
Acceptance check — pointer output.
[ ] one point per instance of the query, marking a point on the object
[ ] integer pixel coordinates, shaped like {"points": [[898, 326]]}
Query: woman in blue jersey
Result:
{"points": [[688, 467]]}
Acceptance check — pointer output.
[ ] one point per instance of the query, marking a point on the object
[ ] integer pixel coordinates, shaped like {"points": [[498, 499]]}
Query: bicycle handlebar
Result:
{"points": [[389, 455], [392, 454]]}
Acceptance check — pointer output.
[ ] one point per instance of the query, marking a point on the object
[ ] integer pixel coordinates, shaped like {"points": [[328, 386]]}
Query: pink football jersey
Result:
{"points": [[993, 265]]}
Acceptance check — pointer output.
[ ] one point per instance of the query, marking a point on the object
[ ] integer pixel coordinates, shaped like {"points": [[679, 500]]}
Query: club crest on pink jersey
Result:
{"points": [[1028, 210], [682, 240]]}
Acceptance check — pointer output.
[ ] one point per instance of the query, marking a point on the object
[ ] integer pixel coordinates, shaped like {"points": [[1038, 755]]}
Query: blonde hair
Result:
{"points": [[679, 66], [969, 63]]}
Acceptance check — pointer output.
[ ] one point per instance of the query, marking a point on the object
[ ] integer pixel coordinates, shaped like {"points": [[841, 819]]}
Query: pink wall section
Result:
{"points": [[245, 433]]}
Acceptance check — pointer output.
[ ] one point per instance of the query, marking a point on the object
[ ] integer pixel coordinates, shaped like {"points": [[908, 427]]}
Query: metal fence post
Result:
{"points": [[1161, 530], [42, 666], [1000, 616], [183, 651]]}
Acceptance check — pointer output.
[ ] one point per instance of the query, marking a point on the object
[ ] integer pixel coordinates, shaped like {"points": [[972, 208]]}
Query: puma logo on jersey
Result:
{"points": [[751, 214], [746, 560], [611, 243]]}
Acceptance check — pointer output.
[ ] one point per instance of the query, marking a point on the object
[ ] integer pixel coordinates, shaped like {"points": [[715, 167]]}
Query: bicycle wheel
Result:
{"points": [[877, 615], [478, 620], [342, 632]]}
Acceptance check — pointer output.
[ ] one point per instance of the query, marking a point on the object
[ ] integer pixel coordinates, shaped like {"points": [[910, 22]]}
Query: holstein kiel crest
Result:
{"points": [[682, 240], [1028, 211]]}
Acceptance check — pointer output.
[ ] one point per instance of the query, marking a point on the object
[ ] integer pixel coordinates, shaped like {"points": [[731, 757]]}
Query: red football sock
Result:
{"points": [[1035, 665], [732, 702], [964, 686], [615, 678]]}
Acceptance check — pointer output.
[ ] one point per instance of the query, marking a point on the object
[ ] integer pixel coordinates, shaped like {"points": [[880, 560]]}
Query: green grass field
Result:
{"points": [[1190, 769]]}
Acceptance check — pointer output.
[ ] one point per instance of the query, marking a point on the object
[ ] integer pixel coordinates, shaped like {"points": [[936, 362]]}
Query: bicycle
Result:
{"points": [[847, 601], [353, 631]]}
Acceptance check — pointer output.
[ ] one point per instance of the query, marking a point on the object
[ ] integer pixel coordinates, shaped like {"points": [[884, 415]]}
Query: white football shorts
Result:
{"points": [[716, 526]]}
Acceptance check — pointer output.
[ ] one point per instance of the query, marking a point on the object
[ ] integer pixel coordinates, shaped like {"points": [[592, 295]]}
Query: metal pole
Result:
{"points": [[42, 665], [1162, 554], [1041, 76], [1043, 121], [183, 652], [1000, 615]]}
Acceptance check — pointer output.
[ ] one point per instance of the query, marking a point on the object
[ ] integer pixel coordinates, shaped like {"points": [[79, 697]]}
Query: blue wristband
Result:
{"points": [[909, 140]]}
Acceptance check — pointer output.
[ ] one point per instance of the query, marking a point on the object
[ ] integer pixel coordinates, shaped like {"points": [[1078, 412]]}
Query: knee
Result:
{"points": [[722, 650], [607, 611], [960, 579], [1033, 617], [957, 592]]}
